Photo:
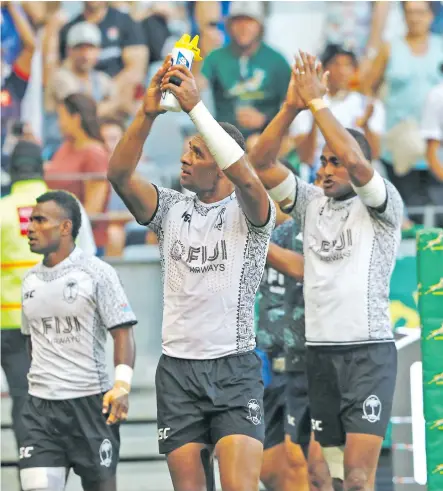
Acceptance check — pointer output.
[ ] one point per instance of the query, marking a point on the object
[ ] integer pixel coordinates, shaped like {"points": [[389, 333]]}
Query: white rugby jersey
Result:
{"points": [[350, 252], [67, 311], [212, 261]]}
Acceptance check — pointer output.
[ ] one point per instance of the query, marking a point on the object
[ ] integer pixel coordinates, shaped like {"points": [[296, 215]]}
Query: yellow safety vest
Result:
{"points": [[16, 258]]}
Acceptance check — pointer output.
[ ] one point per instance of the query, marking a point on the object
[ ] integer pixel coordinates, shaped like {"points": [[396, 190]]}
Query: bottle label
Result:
{"points": [[181, 60]]}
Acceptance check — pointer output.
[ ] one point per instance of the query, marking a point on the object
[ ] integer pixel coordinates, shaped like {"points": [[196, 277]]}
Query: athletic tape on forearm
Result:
{"points": [[123, 373], [285, 190], [373, 193], [334, 456], [225, 150]]}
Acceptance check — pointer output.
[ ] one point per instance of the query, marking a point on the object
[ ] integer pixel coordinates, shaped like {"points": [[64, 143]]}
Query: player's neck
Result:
{"points": [[215, 195], [346, 196], [53, 258]]}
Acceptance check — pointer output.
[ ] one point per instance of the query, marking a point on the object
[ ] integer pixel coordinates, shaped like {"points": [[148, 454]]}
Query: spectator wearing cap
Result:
{"points": [[26, 167], [123, 55], [248, 78], [352, 109], [78, 76], [15, 78], [409, 66]]}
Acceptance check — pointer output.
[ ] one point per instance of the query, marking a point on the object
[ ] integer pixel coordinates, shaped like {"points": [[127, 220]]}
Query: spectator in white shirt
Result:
{"points": [[352, 109]]}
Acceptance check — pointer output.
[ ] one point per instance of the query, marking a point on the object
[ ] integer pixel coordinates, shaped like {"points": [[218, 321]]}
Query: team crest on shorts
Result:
{"points": [[372, 409], [105, 453], [254, 411]]}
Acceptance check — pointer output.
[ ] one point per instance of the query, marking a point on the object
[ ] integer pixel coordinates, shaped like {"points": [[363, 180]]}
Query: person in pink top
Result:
{"points": [[81, 162]]}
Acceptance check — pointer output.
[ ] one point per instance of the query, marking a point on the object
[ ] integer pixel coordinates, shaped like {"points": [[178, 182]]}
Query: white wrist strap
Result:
{"points": [[225, 150], [123, 373]]}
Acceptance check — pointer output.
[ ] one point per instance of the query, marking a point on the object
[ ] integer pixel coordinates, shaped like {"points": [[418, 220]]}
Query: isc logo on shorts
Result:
{"points": [[25, 452], [163, 433], [316, 425]]}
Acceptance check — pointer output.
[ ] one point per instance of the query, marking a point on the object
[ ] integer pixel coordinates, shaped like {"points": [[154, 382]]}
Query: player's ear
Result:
{"points": [[66, 227]]}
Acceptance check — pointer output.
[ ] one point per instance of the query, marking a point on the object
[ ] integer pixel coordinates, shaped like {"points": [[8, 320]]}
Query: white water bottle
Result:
{"points": [[184, 53]]}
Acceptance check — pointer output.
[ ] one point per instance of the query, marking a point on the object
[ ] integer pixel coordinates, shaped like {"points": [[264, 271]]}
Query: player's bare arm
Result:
{"points": [[139, 195], [367, 183], [228, 155], [124, 359], [285, 261], [274, 175], [339, 140]]}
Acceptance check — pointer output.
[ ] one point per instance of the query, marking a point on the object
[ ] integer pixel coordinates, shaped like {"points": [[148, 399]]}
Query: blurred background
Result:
{"points": [[74, 75]]}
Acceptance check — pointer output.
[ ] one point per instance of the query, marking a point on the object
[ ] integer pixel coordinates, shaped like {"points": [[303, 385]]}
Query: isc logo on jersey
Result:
{"points": [[181, 60]]}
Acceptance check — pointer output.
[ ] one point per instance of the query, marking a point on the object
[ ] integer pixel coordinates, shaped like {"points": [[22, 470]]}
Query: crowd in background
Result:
{"points": [[74, 74]]}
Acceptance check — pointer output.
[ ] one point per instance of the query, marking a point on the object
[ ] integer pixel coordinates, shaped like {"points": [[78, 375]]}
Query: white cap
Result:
{"points": [[84, 33], [254, 10]]}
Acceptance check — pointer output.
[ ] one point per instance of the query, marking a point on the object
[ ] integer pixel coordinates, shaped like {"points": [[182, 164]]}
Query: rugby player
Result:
{"points": [[351, 233], [213, 248], [70, 303]]}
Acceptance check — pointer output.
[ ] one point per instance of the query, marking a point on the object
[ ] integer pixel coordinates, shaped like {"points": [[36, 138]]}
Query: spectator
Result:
{"points": [[15, 78], [111, 131], [432, 132], [248, 78], [359, 26], [208, 21], [77, 75], [352, 109], [81, 163], [124, 55], [410, 68]]}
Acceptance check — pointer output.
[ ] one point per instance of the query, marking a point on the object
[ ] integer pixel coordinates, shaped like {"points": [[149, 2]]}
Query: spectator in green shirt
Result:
{"points": [[248, 78]]}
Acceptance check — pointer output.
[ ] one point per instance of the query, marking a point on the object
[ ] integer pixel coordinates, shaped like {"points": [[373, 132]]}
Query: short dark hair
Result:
{"points": [[234, 133], [362, 143], [70, 205]]}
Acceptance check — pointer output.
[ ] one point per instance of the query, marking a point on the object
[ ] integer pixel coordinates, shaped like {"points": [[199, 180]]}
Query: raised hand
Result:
{"points": [[310, 80], [293, 100], [151, 101], [180, 81]]}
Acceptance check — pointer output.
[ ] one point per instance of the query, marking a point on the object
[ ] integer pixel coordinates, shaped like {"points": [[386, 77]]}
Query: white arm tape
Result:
{"points": [[225, 150], [373, 193], [123, 373], [285, 190]]}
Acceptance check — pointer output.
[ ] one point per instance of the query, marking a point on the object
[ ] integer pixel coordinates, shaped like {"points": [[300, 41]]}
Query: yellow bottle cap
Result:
{"points": [[186, 43]]}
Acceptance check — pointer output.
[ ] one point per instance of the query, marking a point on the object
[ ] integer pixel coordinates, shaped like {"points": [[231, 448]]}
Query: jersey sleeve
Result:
{"points": [[304, 194], [112, 303], [25, 329], [392, 214], [25, 326], [166, 199], [268, 227]]}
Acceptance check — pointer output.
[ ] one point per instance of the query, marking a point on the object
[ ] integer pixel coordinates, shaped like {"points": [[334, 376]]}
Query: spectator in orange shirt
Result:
{"points": [[81, 163]]}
